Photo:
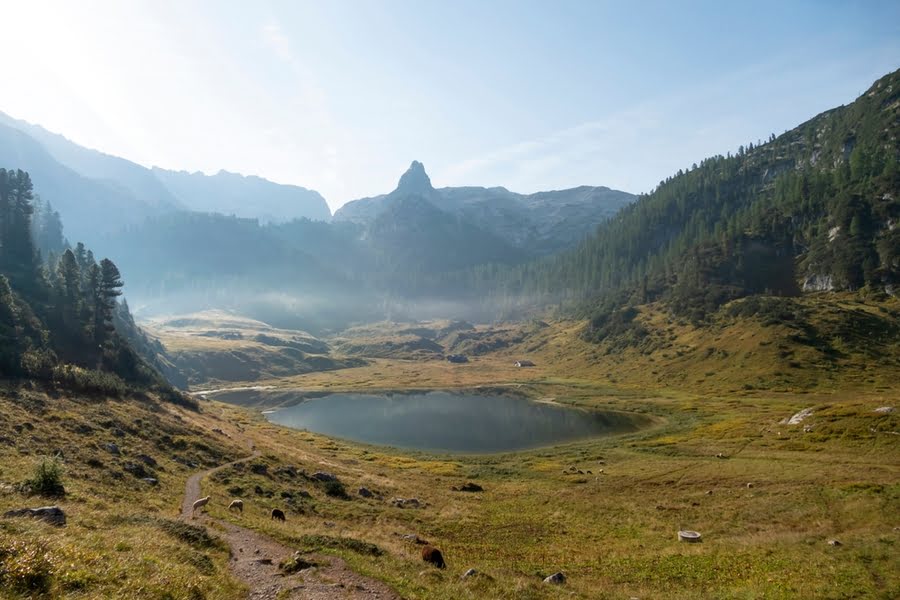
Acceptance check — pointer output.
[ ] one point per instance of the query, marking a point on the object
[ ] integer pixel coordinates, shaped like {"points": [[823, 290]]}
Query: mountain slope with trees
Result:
{"points": [[89, 207], [57, 316], [813, 209]]}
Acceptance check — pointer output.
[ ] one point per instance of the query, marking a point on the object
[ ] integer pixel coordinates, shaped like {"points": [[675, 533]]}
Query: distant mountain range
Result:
{"points": [[537, 224], [96, 193], [249, 197], [812, 210], [193, 241]]}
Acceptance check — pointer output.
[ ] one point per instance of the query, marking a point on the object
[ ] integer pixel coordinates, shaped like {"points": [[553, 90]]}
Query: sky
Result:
{"points": [[340, 96]]}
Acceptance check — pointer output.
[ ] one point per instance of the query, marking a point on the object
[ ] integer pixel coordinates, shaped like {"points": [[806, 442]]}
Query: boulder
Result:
{"points": [[691, 537], [51, 514], [322, 476], [146, 459], [112, 448], [136, 469], [469, 487], [287, 471], [406, 502], [555, 579], [296, 563], [365, 492]]}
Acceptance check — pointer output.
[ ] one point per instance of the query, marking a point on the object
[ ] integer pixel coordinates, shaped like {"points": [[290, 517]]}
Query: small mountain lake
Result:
{"points": [[451, 422]]}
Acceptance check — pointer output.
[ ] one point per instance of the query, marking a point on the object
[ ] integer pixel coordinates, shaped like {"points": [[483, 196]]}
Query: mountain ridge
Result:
{"points": [[131, 187], [533, 223]]}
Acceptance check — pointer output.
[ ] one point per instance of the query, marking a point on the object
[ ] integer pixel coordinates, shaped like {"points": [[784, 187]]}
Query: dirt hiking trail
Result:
{"points": [[255, 558]]}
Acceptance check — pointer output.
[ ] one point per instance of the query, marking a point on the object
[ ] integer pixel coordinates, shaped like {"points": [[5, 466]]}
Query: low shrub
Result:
{"points": [[25, 567], [47, 479], [315, 543], [336, 489], [89, 380]]}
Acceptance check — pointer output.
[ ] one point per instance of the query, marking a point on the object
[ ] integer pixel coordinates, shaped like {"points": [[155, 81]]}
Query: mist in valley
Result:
{"points": [[492, 300]]}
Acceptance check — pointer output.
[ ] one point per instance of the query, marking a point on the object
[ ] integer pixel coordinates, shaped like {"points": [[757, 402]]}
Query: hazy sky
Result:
{"points": [[341, 96]]}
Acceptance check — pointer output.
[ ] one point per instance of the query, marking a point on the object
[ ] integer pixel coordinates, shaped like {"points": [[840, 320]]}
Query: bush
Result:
{"points": [[25, 567], [194, 536], [88, 380], [47, 479], [169, 394], [38, 363], [335, 489], [317, 543]]}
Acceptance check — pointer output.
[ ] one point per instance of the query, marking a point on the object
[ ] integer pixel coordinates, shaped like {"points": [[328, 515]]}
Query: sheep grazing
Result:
{"points": [[432, 555], [237, 505], [277, 514], [199, 504]]}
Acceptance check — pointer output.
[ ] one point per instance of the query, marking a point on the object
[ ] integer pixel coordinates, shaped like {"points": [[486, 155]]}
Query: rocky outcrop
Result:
{"points": [[818, 283], [555, 579], [540, 223], [50, 514]]}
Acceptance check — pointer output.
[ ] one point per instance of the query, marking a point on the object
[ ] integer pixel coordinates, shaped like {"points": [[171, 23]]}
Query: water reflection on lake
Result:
{"points": [[450, 422]]}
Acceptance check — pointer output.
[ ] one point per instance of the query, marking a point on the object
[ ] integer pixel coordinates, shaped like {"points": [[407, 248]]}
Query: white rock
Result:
{"points": [[555, 579]]}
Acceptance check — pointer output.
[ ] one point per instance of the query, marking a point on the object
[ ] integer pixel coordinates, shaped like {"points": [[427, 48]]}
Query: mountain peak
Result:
{"points": [[415, 179]]}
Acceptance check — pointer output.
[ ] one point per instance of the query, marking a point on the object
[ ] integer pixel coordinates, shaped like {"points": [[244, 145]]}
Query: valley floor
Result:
{"points": [[767, 496]]}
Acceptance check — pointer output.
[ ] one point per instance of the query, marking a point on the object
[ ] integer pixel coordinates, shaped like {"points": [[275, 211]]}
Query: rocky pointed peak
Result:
{"points": [[415, 180]]}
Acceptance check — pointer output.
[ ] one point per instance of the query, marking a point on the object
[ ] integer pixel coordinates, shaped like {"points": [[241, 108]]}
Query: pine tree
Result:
{"points": [[107, 285], [10, 342], [68, 293]]}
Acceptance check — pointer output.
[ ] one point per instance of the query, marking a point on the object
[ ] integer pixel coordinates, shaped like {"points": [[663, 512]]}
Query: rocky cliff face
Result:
{"points": [[539, 224]]}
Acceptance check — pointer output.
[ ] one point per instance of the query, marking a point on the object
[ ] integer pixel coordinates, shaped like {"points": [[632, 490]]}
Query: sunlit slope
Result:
{"points": [[124, 463], [217, 347]]}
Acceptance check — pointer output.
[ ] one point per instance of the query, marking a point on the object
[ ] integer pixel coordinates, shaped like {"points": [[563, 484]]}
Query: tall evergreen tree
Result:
{"points": [[107, 285], [68, 293], [18, 258], [10, 352]]}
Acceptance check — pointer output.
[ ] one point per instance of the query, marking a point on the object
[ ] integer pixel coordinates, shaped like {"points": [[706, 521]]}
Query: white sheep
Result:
{"points": [[199, 504], [237, 505]]}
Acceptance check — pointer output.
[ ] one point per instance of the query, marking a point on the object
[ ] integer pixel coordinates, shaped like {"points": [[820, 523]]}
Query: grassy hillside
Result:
{"points": [[603, 511], [815, 342], [216, 347], [122, 538]]}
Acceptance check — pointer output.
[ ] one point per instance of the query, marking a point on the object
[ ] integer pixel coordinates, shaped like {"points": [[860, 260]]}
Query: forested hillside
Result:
{"points": [[57, 316], [815, 208]]}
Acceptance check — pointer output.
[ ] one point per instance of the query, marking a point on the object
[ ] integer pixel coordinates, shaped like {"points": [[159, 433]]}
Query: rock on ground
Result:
{"points": [[555, 579], [51, 514]]}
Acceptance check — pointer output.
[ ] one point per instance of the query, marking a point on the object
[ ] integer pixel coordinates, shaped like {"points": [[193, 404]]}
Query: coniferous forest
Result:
{"points": [[59, 305], [813, 209]]}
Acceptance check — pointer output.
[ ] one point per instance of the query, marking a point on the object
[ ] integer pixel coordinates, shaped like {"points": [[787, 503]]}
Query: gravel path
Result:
{"points": [[255, 558]]}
